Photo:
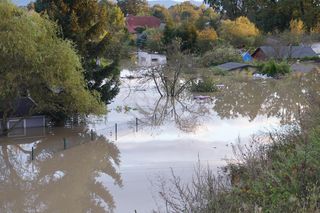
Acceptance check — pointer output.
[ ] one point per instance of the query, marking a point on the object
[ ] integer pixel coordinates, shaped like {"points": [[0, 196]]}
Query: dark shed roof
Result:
{"points": [[232, 66], [286, 52], [22, 107]]}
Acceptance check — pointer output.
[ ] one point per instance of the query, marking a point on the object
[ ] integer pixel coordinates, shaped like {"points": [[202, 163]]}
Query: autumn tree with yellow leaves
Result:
{"points": [[297, 27], [206, 39], [240, 32]]}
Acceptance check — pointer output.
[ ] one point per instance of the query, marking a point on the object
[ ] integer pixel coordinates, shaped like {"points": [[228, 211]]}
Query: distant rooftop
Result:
{"points": [[232, 66], [287, 51], [133, 22]]}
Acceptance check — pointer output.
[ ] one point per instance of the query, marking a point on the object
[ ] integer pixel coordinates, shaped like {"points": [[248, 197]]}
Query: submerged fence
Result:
{"points": [[117, 130], [111, 132]]}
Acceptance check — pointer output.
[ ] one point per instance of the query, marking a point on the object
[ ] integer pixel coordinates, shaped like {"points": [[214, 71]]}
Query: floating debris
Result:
{"points": [[200, 97], [260, 76]]}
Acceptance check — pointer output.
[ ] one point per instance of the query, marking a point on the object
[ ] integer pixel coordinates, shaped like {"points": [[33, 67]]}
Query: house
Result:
{"points": [[135, 22], [283, 52], [149, 60], [20, 117], [234, 66]]}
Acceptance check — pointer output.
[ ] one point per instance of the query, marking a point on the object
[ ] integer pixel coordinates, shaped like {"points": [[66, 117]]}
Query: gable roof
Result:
{"points": [[286, 52], [134, 22], [22, 107], [232, 66]]}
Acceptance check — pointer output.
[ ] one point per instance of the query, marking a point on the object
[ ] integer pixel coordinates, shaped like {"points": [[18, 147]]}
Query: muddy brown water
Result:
{"points": [[108, 175]]}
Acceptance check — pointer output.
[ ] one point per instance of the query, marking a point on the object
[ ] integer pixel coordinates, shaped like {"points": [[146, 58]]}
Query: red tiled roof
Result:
{"points": [[134, 22]]}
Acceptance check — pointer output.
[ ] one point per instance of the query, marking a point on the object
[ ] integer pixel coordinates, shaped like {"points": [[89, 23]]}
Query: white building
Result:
{"points": [[149, 60]]}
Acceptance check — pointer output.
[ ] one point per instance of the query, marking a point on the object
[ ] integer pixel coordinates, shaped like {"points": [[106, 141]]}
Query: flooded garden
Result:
{"points": [[114, 163]]}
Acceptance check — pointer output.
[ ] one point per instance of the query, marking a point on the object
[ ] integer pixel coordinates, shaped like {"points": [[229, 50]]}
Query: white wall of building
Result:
{"points": [[148, 60]]}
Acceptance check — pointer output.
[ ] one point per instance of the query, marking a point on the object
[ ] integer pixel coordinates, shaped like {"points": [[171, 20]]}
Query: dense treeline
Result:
{"points": [[199, 28], [270, 15]]}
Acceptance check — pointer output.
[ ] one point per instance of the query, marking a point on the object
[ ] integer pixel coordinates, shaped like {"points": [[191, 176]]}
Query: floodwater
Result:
{"points": [[142, 139]]}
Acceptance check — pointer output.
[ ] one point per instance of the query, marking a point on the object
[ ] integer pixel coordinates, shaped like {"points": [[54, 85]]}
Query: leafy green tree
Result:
{"points": [[185, 12], [134, 7], [162, 13], [36, 63], [96, 28], [168, 33], [188, 34], [208, 18], [154, 40]]}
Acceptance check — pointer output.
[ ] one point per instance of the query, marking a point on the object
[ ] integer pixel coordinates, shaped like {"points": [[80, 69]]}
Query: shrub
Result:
{"points": [[220, 55], [274, 69], [207, 85]]}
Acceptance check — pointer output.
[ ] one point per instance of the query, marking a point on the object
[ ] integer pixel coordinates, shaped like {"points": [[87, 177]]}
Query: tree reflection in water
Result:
{"points": [[283, 99], [185, 113], [72, 180]]}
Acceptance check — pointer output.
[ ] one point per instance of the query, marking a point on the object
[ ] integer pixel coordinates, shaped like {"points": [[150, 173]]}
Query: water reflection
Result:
{"points": [[274, 98], [72, 180], [281, 99], [81, 178], [185, 113]]}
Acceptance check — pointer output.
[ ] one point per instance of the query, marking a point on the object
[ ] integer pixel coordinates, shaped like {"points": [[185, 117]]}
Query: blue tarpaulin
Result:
{"points": [[246, 57]]}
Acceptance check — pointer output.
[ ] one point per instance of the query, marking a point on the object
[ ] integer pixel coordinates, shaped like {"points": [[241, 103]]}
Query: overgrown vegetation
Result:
{"points": [[277, 172], [273, 68], [220, 55], [205, 85]]}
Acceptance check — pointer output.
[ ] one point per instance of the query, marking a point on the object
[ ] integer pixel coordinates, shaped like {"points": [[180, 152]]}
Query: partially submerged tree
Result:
{"points": [[96, 28], [172, 79], [36, 63]]}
